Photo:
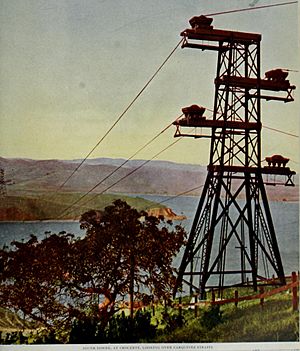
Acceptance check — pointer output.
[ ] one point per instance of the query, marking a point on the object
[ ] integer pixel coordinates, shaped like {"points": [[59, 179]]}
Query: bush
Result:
{"points": [[124, 329], [120, 329], [12, 338], [18, 338], [212, 317], [45, 337], [86, 331], [172, 321]]}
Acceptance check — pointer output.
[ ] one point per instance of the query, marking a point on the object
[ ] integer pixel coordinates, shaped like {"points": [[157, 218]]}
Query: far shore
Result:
{"points": [[53, 220]]}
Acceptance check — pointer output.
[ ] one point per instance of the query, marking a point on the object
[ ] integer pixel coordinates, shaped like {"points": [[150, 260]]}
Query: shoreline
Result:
{"points": [[142, 196]]}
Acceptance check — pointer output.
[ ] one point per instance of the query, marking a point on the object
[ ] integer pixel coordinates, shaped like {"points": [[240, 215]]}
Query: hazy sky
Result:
{"points": [[70, 67]]}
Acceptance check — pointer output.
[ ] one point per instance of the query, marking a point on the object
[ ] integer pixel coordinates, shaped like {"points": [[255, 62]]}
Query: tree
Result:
{"points": [[33, 278], [133, 251], [59, 278]]}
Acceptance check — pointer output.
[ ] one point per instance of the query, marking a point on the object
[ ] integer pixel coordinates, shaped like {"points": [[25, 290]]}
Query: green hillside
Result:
{"points": [[248, 322], [43, 206]]}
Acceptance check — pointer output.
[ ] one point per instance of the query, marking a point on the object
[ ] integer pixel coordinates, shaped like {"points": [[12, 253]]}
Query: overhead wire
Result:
{"points": [[281, 131], [252, 8], [66, 211], [123, 164], [150, 80], [136, 153], [258, 8], [170, 198], [264, 126], [133, 101], [181, 194], [120, 166], [121, 115], [127, 160]]}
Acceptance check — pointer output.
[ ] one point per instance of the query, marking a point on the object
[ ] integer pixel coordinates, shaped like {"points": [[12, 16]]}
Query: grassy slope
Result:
{"points": [[50, 206], [249, 322], [10, 321], [275, 321]]}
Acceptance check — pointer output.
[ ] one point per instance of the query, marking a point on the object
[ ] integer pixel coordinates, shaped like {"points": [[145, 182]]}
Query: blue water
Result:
{"points": [[10, 231], [285, 217]]}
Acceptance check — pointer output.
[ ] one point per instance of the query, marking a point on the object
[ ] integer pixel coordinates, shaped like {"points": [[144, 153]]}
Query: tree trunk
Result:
{"points": [[131, 287]]}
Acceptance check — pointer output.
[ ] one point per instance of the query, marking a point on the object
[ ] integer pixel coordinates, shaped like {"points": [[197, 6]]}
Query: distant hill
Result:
{"points": [[156, 177], [31, 185]]}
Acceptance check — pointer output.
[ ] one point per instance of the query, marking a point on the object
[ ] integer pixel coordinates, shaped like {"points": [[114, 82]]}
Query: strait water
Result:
{"points": [[285, 217]]}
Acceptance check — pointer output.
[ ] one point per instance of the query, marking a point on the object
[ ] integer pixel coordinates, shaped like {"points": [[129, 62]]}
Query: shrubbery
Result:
{"points": [[172, 321], [20, 338], [120, 329], [211, 317], [247, 322]]}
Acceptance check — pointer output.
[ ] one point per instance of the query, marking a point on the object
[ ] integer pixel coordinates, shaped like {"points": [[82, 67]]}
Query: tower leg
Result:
{"points": [[206, 253], [193, 237], [252, 243], [230, 214], [271, 238]]}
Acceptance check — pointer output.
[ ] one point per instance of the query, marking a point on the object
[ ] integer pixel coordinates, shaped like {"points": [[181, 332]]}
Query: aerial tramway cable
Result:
{"points": [[120, 166], [133, 101], [281, 131], [181, 194], [150, 80], [121, 115], [252, 8], [66, 211]]}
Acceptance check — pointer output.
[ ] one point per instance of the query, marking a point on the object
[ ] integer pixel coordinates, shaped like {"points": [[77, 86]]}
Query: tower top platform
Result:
{"points": [[203, 30]]}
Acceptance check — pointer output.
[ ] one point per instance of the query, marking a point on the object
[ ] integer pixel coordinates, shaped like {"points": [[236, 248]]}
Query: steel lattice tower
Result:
{"points": [[233, 219]]}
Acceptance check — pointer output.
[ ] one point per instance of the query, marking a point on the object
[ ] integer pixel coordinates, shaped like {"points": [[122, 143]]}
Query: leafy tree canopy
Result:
{"points": [[60, 278]]}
